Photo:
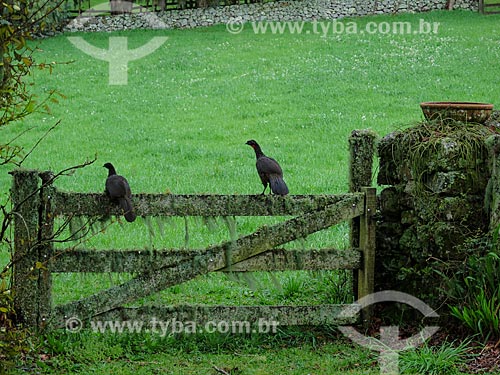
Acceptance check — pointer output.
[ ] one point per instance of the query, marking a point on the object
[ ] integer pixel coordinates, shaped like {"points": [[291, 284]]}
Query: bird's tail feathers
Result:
{"points": [[278, 185], [128, 209]]}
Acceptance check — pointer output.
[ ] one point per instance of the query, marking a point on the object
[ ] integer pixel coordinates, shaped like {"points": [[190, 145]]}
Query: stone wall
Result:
{"points": [[293, 10], [438, 194]]}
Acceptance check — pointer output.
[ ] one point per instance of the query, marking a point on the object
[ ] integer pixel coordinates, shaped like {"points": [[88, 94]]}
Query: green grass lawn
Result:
{"points": [[180, 126], [137, 354]]}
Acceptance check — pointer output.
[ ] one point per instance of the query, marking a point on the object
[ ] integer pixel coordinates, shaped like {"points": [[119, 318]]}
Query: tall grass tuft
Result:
{"points": [[479, 307], [446, 359]]}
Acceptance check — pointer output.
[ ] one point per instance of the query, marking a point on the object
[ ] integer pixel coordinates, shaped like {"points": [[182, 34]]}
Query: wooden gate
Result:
{"points": [[489, 7], [37, 203]]}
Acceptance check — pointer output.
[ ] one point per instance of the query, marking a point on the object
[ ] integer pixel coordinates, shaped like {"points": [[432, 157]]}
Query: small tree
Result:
{"points": [[20, 21]]}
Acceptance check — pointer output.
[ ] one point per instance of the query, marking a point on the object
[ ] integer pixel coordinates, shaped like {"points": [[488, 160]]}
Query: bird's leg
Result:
{"points": [[264, 191]]}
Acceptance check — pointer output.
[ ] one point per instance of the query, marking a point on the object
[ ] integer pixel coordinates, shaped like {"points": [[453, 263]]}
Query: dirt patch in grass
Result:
{"points": [[487, 360]]}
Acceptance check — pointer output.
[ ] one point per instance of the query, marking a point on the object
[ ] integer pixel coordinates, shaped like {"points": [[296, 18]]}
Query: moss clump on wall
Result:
{"points": [[427, 149], [438, 173]]}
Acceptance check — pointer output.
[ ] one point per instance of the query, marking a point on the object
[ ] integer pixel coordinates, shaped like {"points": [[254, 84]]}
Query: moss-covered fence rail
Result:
{"points": [[37, 203]]}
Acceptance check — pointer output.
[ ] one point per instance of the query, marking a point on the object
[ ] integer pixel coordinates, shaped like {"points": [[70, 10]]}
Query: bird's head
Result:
{"points": [[252, 143], [111, 169]]}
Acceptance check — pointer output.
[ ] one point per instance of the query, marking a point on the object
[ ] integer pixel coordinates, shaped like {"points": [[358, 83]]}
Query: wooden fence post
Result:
{"points": [[366, 274], [26, 201], [45, 248], [31, 285], [361, 153]]}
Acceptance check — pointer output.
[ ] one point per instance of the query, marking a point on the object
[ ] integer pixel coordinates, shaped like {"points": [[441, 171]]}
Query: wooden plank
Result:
{"points": [[366, 274], [95, 204], [361, 152], [132, 261], [26, 201], [224, 319], [45, 247], [214, 258], [361, 155], [289, 260]]}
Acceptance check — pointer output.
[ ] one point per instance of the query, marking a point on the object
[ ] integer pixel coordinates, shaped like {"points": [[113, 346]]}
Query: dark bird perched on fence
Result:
{"points": [[269, 171], [118, 190]]}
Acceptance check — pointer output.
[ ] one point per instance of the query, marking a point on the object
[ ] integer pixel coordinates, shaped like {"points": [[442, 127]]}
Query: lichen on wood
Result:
{"points": [[212, 205], [361, 156], [213, 258], [26, 201], [313, 259], [131, 261], [367, 243], [241, 319], [361, 153], [45, 247], [157, 270]]}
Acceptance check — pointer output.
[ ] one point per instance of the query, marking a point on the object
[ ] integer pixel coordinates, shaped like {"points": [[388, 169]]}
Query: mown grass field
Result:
{"points": [[180, 126]]}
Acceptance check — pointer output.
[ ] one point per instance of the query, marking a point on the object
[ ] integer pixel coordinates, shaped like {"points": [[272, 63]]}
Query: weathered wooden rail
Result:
{"points": [[37, 203], [489, 8], [123, 6]]}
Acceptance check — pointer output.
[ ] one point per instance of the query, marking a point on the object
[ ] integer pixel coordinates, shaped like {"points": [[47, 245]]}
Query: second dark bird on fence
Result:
{"points": [[269, 170], [118, 190]]}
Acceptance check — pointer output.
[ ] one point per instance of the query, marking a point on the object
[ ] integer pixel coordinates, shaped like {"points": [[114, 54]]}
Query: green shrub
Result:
{"points": [[54, 15], [476, 296], [14, 341]]}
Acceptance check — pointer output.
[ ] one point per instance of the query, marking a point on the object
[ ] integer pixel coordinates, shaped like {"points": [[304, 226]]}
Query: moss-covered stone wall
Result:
{"points": [[436, 195]]}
